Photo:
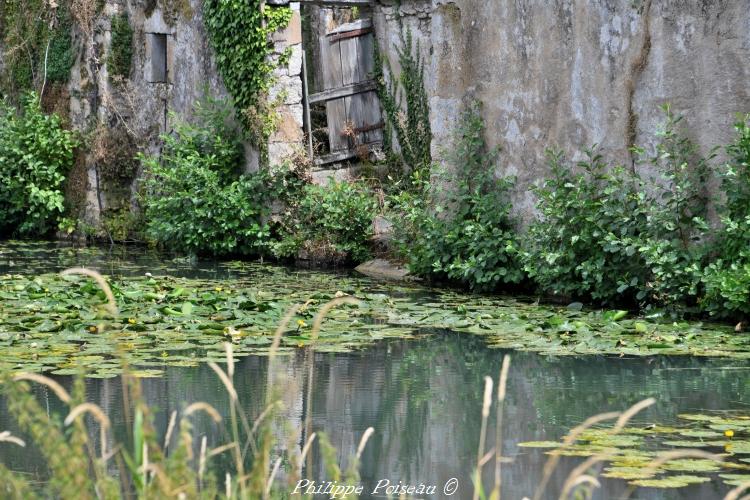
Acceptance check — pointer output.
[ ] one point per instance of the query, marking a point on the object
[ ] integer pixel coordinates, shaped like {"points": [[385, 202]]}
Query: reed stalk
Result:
{"points": [[486, 403]]}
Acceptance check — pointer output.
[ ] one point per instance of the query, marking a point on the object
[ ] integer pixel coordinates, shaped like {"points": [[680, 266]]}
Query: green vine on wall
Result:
{"points": [[240, 32], [405, 103], [37, 45], [121, 50]]}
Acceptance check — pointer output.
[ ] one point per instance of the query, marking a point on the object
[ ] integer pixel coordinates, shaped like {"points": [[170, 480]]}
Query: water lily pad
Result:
{"points": [[692, 465], [670, 482], [696, 433], [735, 479], [628, 473], [540, 444], [686, 444]]}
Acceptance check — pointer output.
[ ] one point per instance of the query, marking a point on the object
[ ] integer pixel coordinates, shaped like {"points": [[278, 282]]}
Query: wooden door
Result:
{"points": [[352, 106]]}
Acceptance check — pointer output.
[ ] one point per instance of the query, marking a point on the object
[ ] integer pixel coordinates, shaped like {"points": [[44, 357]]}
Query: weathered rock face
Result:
{"points": [[173, 67], [571, 73]]}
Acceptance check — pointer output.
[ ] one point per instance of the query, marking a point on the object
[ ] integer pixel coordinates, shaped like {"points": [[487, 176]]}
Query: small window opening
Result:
{"points": [[159, 72]]}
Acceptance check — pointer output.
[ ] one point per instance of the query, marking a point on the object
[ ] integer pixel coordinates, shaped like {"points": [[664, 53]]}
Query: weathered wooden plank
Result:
{"points": [[371, 116], [350, 61], [349, 34], [367, 51], [359, 24], [330, 54], [336, 110], [345, 91], [334, 157], [367, 106], [350, 75]]}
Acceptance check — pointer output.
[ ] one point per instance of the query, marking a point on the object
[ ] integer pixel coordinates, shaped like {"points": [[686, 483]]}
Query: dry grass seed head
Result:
{"points": [[61, 393]]}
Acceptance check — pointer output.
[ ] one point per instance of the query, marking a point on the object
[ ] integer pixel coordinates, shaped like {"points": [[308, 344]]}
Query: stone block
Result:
{"points": [[289, 129], [292, 34]]}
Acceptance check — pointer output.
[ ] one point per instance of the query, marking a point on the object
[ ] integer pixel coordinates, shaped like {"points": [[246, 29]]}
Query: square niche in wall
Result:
{"points": [[157, 61]]}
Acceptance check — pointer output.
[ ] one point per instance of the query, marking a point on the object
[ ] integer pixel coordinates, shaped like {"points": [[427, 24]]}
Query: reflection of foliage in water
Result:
{"points": [[418, 383]]}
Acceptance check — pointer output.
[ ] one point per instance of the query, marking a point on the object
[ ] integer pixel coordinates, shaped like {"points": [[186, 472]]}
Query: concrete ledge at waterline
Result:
{"points": [[384, 269]]}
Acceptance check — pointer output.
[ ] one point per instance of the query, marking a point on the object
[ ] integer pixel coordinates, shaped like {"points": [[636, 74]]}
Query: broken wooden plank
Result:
{"points": [[341, 155], [355, 88], [350, 34]]}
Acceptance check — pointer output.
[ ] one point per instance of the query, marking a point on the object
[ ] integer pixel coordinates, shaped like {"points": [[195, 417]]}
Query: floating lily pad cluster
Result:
{"points": [[180, 312], [632, 453]]}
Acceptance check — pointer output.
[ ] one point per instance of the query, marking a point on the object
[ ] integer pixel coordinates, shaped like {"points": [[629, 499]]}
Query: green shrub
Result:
{"points": [[35, 155], [674, 247], [121, 48], [608, 235], [196, 200], [460, 228], [333, 221], [577, 247], [727, 279]]}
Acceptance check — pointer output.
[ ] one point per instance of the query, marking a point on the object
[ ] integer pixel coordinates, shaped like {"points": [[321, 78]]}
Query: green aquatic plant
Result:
{"points": [[146, 468], [660, 461], [51, 323]]}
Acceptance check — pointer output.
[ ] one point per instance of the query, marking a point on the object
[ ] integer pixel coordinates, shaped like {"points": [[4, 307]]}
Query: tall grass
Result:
{"points": [[142, 467]]}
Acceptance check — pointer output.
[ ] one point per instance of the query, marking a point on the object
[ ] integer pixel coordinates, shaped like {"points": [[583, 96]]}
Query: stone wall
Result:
{"points": [[571, 73], [144, 105]]}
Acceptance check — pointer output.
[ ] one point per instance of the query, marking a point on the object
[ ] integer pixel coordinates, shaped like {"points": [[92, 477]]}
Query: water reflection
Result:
{"points": [[423, 398]]}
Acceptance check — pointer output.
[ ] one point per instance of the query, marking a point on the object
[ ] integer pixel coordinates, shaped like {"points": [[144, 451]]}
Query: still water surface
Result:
{"points": [[422, 397]]}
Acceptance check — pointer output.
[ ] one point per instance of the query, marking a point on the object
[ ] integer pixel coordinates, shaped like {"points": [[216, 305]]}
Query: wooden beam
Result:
{"points": [[346, 154], [345, 91], [349, 34], [334, 157]]}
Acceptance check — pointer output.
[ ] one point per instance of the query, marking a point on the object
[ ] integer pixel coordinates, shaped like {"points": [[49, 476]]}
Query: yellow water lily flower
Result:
{"points": [[301, 323], [729, 433], [218, 289], [131, 321]]}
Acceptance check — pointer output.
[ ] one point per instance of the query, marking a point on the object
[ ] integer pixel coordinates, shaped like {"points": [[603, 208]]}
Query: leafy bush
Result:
{"points": [[674, 247], [196, 200], [334, 222], [727, 279], [461, 229], [577, 247], [35, 155], [609, 235]]}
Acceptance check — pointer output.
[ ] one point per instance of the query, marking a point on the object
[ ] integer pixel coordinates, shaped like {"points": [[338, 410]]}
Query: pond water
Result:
{"points": [[422, 396]]}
